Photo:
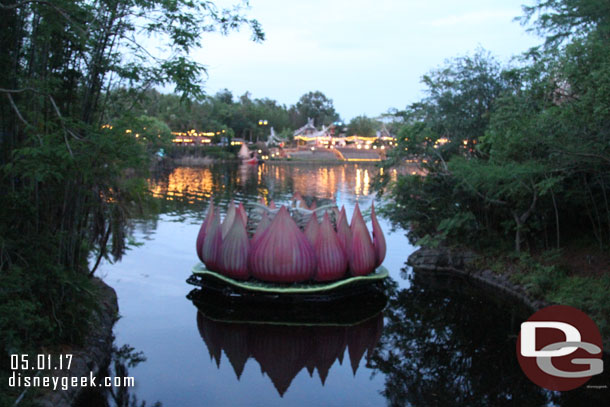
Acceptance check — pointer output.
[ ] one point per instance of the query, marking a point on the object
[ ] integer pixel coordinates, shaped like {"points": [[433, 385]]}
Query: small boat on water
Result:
{"points": [[247, 156]]}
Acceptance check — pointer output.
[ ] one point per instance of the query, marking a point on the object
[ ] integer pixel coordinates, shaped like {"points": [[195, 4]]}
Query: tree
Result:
{"points": [[363, 126], [564, 20], [519, 152], [69, 178], [314, 105]]}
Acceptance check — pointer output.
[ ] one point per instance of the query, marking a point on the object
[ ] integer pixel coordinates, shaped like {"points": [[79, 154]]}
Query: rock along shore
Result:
{"points": [[461, 262], [93, 357]]}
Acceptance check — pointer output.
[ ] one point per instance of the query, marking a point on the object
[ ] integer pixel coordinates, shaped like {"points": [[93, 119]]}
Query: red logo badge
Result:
{"points": [[560, 348]]}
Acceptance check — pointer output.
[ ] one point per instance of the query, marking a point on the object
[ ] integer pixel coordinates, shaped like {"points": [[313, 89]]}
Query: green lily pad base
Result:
{"points": [[342, 302], [201, 275]]}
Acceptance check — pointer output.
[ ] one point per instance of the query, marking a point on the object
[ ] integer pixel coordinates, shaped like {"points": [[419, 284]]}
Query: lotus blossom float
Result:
{"points": [[278, 250]]}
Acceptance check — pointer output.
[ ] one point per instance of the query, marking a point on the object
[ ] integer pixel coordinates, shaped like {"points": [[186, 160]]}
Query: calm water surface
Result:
{"points": [[439, 341]]}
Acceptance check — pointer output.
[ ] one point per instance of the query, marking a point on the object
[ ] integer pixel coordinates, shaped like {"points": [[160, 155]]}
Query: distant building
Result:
{"points": [[306, 131], [274, 139], [309, 136]]}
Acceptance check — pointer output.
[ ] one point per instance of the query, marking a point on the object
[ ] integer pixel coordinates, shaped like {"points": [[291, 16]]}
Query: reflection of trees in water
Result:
{"points": [[123, 359], [282, 351], [445, 345], [447, 342]]}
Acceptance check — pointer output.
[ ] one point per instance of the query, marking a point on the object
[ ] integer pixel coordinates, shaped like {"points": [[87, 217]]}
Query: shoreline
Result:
{"points": [[207, 161], [93, 357], [460, 262], [196, 161]]}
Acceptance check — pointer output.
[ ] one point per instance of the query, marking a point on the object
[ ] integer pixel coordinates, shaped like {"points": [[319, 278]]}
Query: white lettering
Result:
{"points": [[528, 338]]}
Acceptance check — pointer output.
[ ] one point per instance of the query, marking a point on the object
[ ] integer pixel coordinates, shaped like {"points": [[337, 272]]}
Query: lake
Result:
{"points": [[441, 340]]}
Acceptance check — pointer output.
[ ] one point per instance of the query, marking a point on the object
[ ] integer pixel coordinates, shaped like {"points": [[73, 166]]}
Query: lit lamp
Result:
{"points": [[261, 123]]}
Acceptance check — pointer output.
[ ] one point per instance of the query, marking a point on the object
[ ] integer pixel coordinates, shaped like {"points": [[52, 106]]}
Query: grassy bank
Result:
{"points": [[575, 278]]}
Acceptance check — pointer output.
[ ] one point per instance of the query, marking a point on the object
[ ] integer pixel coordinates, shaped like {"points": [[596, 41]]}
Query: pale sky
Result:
{"points": [[367, 56]]}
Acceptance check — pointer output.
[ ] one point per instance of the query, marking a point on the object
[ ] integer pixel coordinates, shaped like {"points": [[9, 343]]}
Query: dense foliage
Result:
{"points": [[316, 106], [516, 157], [237, 116], [68, 183]]}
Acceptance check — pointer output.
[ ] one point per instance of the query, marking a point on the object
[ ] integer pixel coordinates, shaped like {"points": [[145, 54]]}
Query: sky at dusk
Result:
{"points": [[368, 56]]}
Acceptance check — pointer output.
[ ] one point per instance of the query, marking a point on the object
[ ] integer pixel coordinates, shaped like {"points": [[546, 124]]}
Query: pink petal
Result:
{"points": [[243, 214], [262, 226], [203, 230], [283, 253], [344, 233], [311, 229], [378, 239], [235, 248], [331, 259], [226, 224], [362, 253], [212, 244]]}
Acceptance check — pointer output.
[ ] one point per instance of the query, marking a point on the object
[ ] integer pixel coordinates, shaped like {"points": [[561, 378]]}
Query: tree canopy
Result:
{"points": [[515, 156], [314, 105], [69, 179]]}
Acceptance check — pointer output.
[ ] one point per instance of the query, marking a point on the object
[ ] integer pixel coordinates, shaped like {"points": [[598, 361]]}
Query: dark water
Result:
{"points": [[439, 341]]}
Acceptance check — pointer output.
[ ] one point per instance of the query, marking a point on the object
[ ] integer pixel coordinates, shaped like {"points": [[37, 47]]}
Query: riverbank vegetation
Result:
{"points": [[226, 113], [518, 157], [68, 180]]}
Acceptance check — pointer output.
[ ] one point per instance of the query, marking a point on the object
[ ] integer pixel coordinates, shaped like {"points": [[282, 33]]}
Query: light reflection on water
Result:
{"points": [[278, 182], [442, 340], [158, 320]]}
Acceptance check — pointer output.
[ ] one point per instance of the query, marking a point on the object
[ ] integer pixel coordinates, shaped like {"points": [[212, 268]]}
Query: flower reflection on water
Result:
{"points": [[282, 351]]}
